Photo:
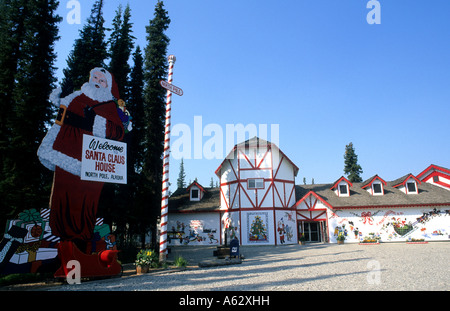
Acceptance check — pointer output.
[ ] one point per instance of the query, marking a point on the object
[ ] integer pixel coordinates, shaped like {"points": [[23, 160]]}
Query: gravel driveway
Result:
{"points": [[348, 267]]}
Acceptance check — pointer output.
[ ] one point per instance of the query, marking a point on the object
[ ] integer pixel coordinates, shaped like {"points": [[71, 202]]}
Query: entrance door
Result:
{"points": [[312, 231]]}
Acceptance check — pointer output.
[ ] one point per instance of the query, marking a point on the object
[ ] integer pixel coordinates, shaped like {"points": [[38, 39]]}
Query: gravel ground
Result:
{"points": [[314, 267]]}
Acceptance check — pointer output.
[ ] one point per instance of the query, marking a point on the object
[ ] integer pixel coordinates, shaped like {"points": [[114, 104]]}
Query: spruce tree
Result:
{"points": [[121, 44], [155, 69], [352, 169], [29, 30], [89, 51], [181, 183]]}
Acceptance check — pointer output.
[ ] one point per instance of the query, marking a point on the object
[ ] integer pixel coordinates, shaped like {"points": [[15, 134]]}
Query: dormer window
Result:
{"points": [[374, 185], [411, 186], [377, 189], [194, 194], [196, 191], [407, 184], [341, 187]]}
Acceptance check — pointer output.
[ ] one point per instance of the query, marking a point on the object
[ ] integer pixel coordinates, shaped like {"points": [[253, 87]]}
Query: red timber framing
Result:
{"points": [[434, 171], [312, 213], [277, 193]]}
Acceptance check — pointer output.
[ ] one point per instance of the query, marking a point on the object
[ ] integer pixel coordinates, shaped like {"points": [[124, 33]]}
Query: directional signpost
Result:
{"points": [[165, 184], [172, 88]]}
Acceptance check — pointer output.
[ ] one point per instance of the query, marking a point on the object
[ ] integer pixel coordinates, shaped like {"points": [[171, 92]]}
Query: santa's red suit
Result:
{"points": [[73, 201]]}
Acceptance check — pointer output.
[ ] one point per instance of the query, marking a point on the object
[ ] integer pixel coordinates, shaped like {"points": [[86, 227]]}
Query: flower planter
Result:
{"points": [[141, 269], [340, 242]]}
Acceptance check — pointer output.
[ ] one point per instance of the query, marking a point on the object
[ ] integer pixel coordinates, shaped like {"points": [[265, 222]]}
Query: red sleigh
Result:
{"points": [[102, 264]]}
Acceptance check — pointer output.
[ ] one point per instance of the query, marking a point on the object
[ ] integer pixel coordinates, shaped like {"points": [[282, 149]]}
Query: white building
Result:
{"points": [[259, 203]]}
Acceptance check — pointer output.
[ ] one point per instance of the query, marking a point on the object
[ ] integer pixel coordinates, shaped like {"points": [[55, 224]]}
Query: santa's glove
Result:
{"points": [[89, 118]]}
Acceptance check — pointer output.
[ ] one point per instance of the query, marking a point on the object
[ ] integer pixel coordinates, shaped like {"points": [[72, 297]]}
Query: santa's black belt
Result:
{"points": [[67, 117]]}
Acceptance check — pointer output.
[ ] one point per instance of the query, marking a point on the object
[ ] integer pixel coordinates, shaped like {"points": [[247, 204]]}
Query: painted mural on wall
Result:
{"points": [[198, 229], [389, 225], [286, 228], [230, 223], [28, 245], [258, 227]]}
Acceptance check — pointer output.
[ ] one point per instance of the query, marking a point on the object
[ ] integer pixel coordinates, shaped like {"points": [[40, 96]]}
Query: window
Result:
{"points": [[256, 183], [343, 189], [377, 188], [436, 178], [411, 186], [194, 194]]}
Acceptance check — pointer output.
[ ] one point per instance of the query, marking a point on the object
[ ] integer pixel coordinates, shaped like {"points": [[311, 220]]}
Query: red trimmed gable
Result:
{"points": [[369, 183], [256, 142], [431, 168], [436, 175], [318, 197], [403, 183], [196, 184], [339, 180]]}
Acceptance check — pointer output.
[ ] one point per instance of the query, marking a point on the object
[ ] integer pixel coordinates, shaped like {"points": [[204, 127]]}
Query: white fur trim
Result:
{"points": [[51, 158], [69, 98], [55, 98], [99, 128]]}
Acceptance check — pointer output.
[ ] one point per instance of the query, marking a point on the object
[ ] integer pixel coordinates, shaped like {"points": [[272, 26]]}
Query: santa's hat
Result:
{"points": [[112, 85]]}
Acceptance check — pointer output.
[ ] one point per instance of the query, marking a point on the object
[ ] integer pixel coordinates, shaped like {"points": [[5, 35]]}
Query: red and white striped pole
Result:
{"points": [[165, 182]]}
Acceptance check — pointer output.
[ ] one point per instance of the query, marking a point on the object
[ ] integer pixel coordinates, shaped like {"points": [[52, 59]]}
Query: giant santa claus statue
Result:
{"points": [[92, 111]]}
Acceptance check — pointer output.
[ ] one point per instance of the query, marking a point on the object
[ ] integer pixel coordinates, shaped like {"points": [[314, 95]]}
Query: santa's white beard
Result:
{"points": [[100, 94]]}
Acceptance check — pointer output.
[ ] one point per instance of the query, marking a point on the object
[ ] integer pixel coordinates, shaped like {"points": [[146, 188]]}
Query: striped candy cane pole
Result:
{"points": [[165, 183]]}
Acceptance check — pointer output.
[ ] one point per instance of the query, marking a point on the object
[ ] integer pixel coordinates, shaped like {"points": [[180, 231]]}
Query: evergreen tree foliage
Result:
{"points": [[121, 45], [116, 201], [352, 169], [181, 181], [155, 69], [89, 51], [28, 30]]}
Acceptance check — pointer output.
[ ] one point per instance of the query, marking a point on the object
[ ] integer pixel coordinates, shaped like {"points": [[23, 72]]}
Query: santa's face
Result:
{"points": [[97, 88], [99, 79]]}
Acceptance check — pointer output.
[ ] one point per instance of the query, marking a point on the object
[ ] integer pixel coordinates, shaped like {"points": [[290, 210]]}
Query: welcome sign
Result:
{"points": [[104, 160]]}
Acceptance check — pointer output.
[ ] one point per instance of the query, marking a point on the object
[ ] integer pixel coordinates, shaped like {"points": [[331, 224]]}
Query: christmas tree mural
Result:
{"points": [[258, 230]]}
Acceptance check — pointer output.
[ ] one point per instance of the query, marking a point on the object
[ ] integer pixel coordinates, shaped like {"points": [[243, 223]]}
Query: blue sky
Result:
{"points": [[314, 67]]}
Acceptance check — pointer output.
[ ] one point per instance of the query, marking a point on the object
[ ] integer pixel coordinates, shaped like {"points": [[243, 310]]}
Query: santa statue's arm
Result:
{"points": [[111, 128], [50, 157]]}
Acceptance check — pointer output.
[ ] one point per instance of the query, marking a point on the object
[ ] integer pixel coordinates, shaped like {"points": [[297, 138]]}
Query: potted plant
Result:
{"points": [[145, 259], [341, 238]]}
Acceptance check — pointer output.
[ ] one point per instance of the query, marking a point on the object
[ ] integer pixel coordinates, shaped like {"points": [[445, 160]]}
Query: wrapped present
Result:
{"points": [[32, 256], [32, 221], [10, 243]]}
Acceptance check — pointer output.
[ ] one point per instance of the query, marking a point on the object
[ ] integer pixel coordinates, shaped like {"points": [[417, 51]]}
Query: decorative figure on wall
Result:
{"points": [[258, 230], [93, 111]]}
